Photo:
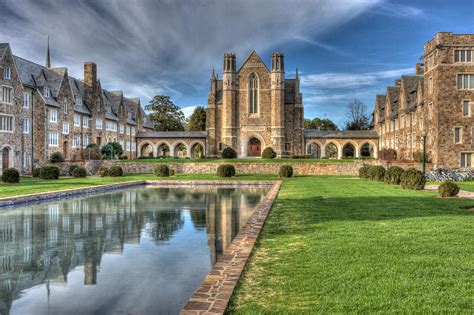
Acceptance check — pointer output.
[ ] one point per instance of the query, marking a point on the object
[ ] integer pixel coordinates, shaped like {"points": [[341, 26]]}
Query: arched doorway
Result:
{"points": [[254, 147], [5, 158], [348, 151], [163, 150], [367, 150], [147, 150], [197, 151], [314, 150], [180, 150], [331, 151]]}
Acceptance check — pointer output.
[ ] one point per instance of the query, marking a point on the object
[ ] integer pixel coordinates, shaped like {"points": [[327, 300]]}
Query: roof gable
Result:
{"points": [[253, 60]]}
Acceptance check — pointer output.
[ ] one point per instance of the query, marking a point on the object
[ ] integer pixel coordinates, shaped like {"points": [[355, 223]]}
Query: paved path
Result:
{"points": [[462, 193]]}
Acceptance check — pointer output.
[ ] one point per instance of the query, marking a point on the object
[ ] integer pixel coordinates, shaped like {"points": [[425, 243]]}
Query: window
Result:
{"points": [[78, 100], [76, 141], [7, 94], [53, 116], [466, 159], [85, 122], [26, 99], [7, 73], [85, 141], [26, 160], [53, 139], [466, 81], [98, 124], [127, 146], [430, 85], [122, 129], [128, 131], [133, 131], [134, 146], [65, 128], [46, 91], [465, 108], [6, 123], [77, 120], [253, 94], [111, 126], [463, 55], [65, 107], [26, 125], [122, 144], [457, 135]]}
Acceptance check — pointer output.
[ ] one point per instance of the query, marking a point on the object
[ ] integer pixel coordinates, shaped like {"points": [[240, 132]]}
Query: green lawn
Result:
{"points": [[469, 186], [242, 160]]}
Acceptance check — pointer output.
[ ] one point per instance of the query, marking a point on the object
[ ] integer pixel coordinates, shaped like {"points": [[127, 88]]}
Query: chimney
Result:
{"points": [[420, 68], [90, 85], [398, 82]]}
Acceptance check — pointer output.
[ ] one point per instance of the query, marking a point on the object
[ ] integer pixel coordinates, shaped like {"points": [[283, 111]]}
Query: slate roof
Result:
{"points": [[393, 93], [290, 91], [346, 134], [380, 101], [172, 134]]}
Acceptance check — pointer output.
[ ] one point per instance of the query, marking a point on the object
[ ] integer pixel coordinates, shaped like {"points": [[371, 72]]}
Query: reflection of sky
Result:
{"points": [[181, 264]]}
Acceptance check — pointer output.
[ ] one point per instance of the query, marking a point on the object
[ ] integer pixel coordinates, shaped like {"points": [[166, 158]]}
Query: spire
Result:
{"points": [[48, 57], [296, 72], [213, 77]]}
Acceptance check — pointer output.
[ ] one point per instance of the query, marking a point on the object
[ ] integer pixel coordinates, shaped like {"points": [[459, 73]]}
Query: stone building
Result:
{"points": [[436, 104], [44, 110]]}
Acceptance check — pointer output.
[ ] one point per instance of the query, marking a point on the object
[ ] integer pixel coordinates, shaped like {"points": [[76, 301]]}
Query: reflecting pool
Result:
{"points": [[141, 250]]}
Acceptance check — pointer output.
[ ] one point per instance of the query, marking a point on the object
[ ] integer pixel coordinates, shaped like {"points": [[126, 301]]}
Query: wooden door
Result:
{"points": [[5, 158], [254, 147]]}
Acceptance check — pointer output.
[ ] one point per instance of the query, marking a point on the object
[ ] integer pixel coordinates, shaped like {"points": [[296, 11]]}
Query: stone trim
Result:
{"points": [[214, 293]]}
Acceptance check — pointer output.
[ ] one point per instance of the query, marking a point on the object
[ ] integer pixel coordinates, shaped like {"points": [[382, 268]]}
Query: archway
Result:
{"points": [[163, 150], [314, 150], [331, 151], [180, 150], [5, 158], [197, 151], [348, 151], [254, 147], [367, 150], [146, 150]]}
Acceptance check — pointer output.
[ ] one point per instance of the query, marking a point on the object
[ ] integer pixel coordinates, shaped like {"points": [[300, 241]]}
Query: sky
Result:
{"points": [[344, 49]]}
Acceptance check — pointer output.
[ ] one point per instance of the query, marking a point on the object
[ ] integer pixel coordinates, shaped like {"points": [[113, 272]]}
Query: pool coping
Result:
{"points": [[214, 293]]}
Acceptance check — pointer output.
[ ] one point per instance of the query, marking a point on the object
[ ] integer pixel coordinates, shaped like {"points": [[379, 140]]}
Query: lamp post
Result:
{"points": [[423, 138]]}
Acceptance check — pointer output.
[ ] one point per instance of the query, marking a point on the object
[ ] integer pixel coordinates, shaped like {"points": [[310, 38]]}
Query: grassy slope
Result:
{"points": [[333, 244], [243, 160]]}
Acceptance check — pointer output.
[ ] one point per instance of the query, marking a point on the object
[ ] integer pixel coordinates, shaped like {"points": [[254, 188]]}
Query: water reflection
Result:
{"points": [[51, 253]]}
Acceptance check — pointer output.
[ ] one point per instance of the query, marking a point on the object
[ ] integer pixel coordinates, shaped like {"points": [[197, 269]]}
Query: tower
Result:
{"points": [[298, 117], [229, 137], [48, 56], [211, 117], [278, 103]]}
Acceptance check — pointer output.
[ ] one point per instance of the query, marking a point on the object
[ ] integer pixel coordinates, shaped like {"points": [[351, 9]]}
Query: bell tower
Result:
{"points": [[278, 103], [229, 137]]}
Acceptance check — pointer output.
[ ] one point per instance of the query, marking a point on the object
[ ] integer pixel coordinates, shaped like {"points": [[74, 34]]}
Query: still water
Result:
{"points": [[135, 251]]}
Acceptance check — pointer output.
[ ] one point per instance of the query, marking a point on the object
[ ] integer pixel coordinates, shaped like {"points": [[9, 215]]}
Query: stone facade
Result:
{"points": [[436, 104], [44, 110]]}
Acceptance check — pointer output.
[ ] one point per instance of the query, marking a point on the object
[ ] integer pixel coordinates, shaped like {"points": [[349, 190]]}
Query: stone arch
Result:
{"points": [[163, 148], [368, 149], [350, 149], [192, 149], [146, 148], [245, 143], [332, 150], [315, 149], [6, 157], [180, 149]]}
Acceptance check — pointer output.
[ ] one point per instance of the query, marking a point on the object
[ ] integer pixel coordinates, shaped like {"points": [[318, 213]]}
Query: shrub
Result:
{"points": [[448, 189], [393, 174], [268, 153], [49, 172], [286, 171], [162, 170], [124, 157], [71, 169], [36, 172], [56, 157], [103, 171], [299, 157], [172, 172], [412, 179], [10, 175], [112, 150], [388, 154], [79, 172], [376, 173], [418, 157], [229, 153], [363, 172], [226, 170], [93, 152], [115, 171]]}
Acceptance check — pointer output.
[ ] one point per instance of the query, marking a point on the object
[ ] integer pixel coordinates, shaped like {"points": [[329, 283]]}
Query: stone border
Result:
{"points": [[214, 293]]}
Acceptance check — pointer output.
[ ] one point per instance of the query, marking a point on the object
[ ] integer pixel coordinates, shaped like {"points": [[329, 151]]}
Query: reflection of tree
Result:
{"points": [[198, 217], [166, 223]]}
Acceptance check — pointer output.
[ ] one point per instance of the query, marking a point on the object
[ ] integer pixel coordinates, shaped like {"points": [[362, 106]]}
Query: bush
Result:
{"points": [[162, 170], [393, 174], [418, 157], [10, 175], [124, 157], [172, 172], [115, 171], [93, 152], [286, 171], [56, 157], [226, 170], [103, 171], [49, 172], [376, 173], [112, 150], [412, 179], [36, 172], [71, 169], [448, 189], [364, 172], [229, 153], [79, 172], [268, 153], [388, 154]]}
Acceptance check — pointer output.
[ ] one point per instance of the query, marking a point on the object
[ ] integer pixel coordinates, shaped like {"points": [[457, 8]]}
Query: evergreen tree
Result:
{"points": [[197, 121], [165, 115]]}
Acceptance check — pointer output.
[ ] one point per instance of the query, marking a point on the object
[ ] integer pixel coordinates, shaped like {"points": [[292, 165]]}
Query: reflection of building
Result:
{"points": [[41, 244]]}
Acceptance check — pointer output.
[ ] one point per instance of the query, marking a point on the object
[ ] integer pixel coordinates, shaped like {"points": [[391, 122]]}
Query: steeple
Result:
{"points": [[297, 73], [48, 57]]}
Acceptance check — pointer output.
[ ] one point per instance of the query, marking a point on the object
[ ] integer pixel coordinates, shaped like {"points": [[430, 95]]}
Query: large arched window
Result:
{"points": [[253, 94]]}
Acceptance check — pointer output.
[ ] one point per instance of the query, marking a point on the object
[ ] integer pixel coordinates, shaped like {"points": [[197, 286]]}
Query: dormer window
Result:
{"points": [[129, 115], [7, 73], [78, 100], [253, 94], [46, 92]]}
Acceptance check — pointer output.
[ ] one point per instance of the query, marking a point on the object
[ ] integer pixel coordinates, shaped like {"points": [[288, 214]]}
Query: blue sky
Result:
{"points": [[344, 49]]}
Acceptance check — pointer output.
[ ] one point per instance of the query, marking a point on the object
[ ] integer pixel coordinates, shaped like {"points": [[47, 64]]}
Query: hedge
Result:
{"points": [[56, 157], [364, 172], [412, 179], [226, 170], [79, 172], [393, 174], [71, 169], [162, 170], [115, 171], [286, 171], [10, 175], [49, 172], [103, 171], [376, 173]]}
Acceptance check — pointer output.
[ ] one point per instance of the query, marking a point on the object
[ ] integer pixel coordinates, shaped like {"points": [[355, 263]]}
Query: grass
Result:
{"points": [[468, 186], [240, 160]]}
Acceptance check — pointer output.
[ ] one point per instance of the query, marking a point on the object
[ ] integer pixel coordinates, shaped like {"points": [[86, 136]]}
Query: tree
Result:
{"points": [[165, 115], [197, 121], [320, 124], [356, 114]]}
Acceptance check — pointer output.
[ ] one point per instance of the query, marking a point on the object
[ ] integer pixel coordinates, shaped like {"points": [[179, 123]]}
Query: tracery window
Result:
{"points": [[253, 94]]}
